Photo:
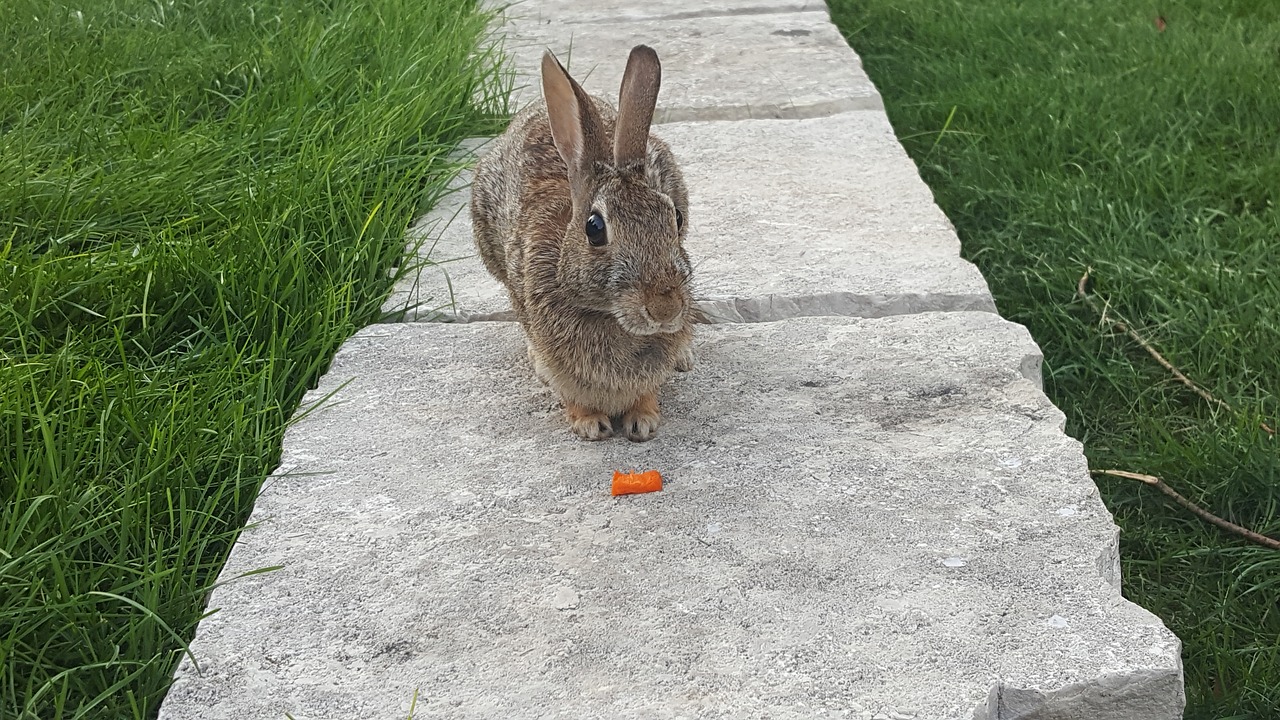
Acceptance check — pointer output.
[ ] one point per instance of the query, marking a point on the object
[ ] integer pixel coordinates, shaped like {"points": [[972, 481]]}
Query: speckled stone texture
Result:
{"points": [[791, 65], [861, 517], [571, 12], [788, 218]]}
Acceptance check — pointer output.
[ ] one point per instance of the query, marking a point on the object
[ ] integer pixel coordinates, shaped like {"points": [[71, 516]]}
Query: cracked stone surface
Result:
{"points": [[875, 517], [791, 65], [788, 218]]}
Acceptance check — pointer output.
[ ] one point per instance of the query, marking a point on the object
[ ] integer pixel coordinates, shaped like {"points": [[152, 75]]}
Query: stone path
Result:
{"points": [[871, 509]]}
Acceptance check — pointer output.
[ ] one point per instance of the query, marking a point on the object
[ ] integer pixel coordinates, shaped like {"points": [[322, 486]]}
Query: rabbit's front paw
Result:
{"points": [[641, 422], [539, 369], [684, 363], [587, 423]]}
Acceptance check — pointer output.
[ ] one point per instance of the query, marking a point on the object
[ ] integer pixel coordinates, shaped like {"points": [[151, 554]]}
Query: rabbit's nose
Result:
{"points": [[664, 305]]}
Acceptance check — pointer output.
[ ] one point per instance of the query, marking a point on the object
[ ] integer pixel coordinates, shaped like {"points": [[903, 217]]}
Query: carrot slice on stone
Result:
{"points": [[627, 483]]}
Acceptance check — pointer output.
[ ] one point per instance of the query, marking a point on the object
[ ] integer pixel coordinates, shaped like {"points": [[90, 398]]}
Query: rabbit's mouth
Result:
{"points": [[647, 311], [638, 321]]}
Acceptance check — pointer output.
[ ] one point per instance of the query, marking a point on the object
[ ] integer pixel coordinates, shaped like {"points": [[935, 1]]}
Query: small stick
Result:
{"points": [[1123, 327], [1158, 484]]}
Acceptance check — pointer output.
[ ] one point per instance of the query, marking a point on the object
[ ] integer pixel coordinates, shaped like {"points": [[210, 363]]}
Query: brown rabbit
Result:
{"points": [[581, 213]]}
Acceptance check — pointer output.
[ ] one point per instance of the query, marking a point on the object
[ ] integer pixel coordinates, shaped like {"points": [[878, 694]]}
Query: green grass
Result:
{"points": [[199, 200], [1085, 137]]}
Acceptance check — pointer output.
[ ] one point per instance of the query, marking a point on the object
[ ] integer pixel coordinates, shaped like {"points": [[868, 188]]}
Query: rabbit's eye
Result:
{"points": [[595, 230], [679, 220]]}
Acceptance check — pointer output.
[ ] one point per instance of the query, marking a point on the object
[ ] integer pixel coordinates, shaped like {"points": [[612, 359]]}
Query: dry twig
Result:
{"points": [[1123, 327], [1158, 484]]}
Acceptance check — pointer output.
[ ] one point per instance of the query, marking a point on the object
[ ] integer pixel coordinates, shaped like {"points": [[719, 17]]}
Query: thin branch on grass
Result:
{"points": [[1158, 484], [1122, 326]]}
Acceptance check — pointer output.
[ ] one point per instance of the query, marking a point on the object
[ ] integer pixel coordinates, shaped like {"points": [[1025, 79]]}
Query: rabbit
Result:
{"points": [[581, 214]]}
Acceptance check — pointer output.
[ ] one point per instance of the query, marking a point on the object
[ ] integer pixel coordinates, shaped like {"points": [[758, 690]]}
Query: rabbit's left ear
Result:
{"points": [[636, 101]]}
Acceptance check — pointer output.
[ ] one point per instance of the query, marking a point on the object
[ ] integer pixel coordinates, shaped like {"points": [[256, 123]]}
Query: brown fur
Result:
{"points": [[605, 326]]}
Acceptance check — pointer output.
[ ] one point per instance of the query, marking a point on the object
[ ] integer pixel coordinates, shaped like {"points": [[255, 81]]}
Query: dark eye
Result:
{"points": [[595, 230], [679, 220]]}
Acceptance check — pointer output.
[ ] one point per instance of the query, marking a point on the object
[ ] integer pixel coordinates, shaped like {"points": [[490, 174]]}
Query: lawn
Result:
{"points": [[1140, 142], [199, 201]]}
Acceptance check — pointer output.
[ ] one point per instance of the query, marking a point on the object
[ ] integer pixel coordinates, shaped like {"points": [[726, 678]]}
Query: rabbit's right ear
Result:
{"points": [[636, 100], [575, 125]]}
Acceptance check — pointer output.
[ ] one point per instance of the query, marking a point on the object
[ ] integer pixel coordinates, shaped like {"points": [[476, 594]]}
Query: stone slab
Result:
{"points": [[860, 516], [790, 65], [577, 11], [788, 218]]}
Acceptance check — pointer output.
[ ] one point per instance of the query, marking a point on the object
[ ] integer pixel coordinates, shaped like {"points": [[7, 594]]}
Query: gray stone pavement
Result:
{"points": [[569, 12], [825, 216], [860, 516], [793, 65], [871, 508]]}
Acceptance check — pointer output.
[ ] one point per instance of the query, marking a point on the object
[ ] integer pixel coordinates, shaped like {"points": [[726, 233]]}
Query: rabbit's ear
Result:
{"points": [[636, 100], [575, 124]]}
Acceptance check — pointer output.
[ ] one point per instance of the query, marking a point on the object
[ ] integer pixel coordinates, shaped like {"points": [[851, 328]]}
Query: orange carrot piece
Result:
{"points": [[626, 483]]}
